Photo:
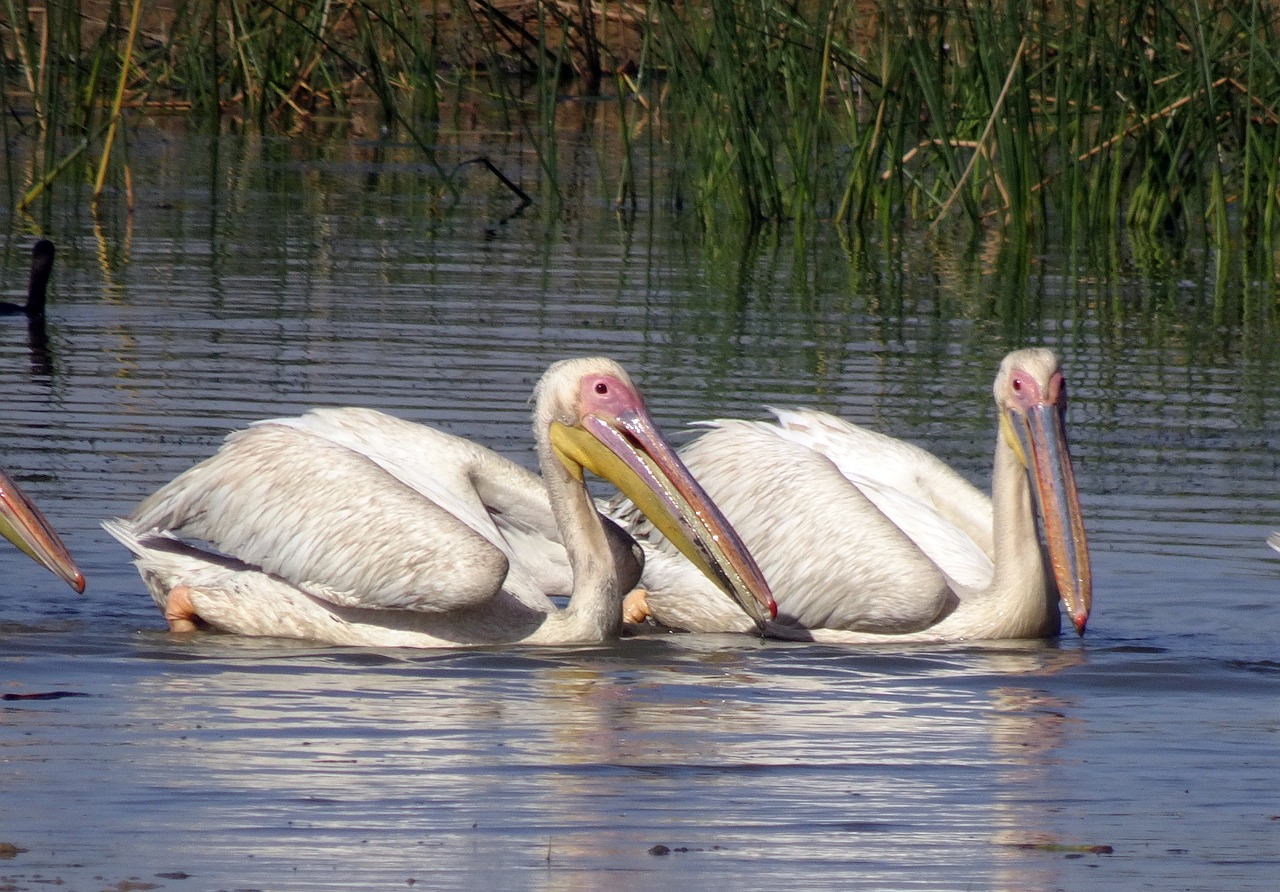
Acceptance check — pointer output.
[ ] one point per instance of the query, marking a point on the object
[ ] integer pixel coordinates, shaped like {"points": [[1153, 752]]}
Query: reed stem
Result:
{"points": [[126, 63]]}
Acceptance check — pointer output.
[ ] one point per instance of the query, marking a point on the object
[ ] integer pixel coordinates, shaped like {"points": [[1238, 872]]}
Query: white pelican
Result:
{"points": [[351, 527], [42, 253], [865, 538], [22, 524], [1274, 541]]}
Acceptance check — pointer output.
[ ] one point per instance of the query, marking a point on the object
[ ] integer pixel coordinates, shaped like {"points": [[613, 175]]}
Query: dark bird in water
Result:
{"points": [[41, 268]]}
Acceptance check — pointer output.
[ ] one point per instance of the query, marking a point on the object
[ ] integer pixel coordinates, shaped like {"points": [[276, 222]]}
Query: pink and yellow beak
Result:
{"points": [[1041, 435], [617, 440], [22, 524]]}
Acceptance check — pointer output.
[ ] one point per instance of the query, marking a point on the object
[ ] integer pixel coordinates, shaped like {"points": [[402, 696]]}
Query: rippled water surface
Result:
{"points": [[256, 281]]}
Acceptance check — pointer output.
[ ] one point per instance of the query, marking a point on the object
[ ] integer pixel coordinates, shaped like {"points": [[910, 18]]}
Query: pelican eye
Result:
{"points": [[601, 387]]}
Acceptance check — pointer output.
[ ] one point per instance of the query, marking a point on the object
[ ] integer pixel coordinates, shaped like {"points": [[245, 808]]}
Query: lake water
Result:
{"points": [[255, 280]]}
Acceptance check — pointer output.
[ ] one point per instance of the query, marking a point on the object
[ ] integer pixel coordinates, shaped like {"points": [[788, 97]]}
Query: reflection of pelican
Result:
{"points": [[1274, 541], [22, 524], [41, 268], [352, 527], [867, 538]]}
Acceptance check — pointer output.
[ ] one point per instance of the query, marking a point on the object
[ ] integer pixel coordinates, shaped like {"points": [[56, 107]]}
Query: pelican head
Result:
{"points": [[1032, 398], [22, 524], [597, 420]]}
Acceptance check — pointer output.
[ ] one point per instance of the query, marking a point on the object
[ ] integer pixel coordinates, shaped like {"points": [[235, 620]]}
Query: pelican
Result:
{"points": [[42, 253], [348, 526], [865, 538], [1274, 541], [22, 524]]}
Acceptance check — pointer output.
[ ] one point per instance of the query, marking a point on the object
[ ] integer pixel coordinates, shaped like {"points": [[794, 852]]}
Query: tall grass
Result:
{"points": [[746, 86], [1085, 117]]}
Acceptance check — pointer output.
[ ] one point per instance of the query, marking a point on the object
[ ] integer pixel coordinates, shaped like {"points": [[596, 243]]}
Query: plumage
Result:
{"points": [[353, 527], [1274, 541], [865, 538]]}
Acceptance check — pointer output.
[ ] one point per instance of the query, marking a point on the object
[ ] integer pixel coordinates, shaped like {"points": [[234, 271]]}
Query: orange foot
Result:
{"points": [[179, 610], [635, 609]]}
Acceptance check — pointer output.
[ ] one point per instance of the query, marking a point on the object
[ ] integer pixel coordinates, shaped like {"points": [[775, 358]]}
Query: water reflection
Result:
{"points": [[804, 763], [38, 346]]}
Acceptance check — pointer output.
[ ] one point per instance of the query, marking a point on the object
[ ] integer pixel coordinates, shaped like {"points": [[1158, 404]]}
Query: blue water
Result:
{"points": [[263, 283]]}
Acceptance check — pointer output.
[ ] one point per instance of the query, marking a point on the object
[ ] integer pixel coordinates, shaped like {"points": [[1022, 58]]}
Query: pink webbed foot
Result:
{"points": [[635, 609], [179, 611]]}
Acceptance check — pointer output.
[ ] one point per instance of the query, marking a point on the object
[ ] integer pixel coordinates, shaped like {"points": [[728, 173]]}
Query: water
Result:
{"points": [[259, 280]]}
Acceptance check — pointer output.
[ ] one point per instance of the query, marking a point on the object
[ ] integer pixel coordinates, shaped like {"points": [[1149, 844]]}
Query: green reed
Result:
{"points": [[1085, 118], [746, 86]]}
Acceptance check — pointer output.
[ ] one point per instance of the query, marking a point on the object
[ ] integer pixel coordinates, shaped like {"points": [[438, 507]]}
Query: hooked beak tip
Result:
{"points": [[1079, 622]]}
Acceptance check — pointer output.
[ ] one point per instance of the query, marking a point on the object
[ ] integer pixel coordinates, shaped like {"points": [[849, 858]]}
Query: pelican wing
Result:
{"points": [[947, 517], [815, 537], [329, 521], [501, 501]]}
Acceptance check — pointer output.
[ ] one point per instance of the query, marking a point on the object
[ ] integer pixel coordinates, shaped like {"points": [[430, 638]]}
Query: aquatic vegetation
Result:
{"points": [[1083, 118]]}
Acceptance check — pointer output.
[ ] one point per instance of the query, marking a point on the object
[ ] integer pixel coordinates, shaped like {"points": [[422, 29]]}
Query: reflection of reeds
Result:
{"points": [[1088, 115]]}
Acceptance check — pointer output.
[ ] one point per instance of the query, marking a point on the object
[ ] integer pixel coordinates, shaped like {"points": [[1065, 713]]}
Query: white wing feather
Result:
{"points": [[503, 502], [942, 513], [365, 510], [777, 493]]}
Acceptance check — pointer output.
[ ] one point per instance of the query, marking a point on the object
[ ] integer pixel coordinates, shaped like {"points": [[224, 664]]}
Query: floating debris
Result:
{"points": [[45, 695]]}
